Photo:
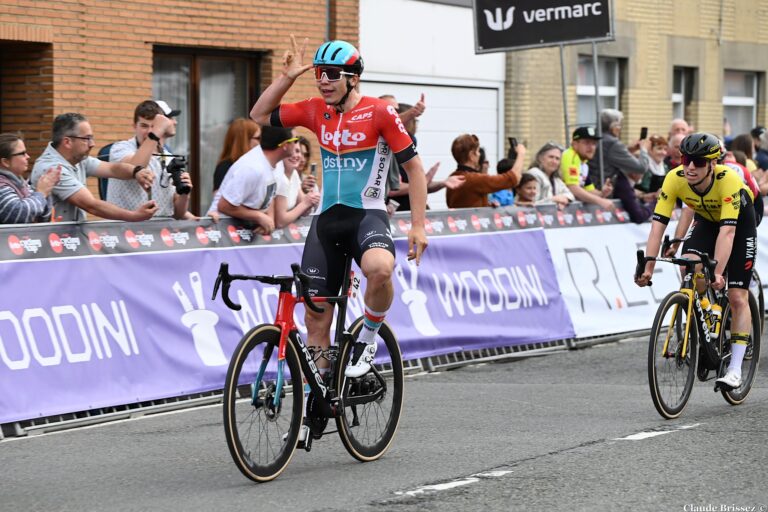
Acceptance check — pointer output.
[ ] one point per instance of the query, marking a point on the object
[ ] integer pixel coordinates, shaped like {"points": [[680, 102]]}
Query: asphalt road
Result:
{"points": [[568, 431]]}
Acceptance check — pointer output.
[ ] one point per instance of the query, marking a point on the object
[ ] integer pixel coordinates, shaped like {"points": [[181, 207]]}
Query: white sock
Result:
{"points": [[371, 324], [737, 356]]}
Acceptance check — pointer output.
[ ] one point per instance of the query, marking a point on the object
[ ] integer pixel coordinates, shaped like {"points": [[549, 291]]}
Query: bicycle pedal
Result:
{"points": [[306, 444]]}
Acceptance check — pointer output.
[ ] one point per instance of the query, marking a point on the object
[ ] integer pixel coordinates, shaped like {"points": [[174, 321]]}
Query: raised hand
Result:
{"points": [[293, 59], [48, 180]]}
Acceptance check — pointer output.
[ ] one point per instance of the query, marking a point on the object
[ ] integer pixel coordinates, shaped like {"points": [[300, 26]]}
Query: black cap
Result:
{"points": [[272, 137], [585, 132]]}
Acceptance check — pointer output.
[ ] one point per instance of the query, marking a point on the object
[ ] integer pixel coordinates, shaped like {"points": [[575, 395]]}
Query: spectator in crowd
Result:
{"points": [[291, 202], [621, 167], [308, 178], [745, 144], [526, 191], [71, 142], [574, 169], [678, 127], [674, 157], [249, 187], [400, 194], [503, 197], [154, 122], [18, 203], [242, 136], [408, 115], [760, 142], [546, 170], [653, 158], [474, 192]]}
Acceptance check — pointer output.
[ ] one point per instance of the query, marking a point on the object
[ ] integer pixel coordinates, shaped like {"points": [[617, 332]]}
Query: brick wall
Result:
{"points": [[95, 56]]}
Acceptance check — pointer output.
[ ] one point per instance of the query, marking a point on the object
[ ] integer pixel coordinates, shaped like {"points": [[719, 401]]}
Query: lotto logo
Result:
{"points": [[345, 137]]}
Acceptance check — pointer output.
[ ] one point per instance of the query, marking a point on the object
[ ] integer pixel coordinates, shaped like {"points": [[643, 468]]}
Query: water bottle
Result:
{"points": [[707, 307]]}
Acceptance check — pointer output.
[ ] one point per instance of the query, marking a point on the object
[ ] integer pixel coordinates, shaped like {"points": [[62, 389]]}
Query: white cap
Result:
{"points": [[167, 110]]}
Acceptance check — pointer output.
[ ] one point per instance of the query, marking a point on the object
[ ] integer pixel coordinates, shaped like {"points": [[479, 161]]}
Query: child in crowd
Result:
{"points": [[526, 191]]}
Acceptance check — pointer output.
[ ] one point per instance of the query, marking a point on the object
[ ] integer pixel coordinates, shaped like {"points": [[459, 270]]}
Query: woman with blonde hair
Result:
{"points": [[242, 135]]}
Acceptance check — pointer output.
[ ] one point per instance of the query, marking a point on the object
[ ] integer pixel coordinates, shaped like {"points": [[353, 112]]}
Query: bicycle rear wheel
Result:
{"points": [[756, 287], [751, 358], [670, 373], [261, 434], [372, 403]]}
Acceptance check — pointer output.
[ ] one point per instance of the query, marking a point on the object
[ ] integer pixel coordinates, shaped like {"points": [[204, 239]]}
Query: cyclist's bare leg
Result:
{"points": [[319, 330], [377, 266]]}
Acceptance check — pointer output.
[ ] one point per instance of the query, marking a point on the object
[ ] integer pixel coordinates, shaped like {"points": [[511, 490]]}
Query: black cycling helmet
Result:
{"points": [[701, 145]]}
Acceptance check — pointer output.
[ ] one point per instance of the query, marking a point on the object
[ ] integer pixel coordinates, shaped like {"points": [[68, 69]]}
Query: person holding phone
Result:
{"points": [[574, 169]]}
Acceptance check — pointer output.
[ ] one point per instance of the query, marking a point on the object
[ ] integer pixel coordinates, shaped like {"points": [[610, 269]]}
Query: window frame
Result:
{"points": [[603, 91]]}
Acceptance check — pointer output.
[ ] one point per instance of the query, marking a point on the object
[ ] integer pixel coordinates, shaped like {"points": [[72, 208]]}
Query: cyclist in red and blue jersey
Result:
{"points": [[358, 136]]}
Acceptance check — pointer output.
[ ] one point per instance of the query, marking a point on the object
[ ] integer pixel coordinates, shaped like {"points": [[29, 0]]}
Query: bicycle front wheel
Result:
{"points": [[262, 404], [756, 287], [372, 403], [751, 357], [671, 372]]}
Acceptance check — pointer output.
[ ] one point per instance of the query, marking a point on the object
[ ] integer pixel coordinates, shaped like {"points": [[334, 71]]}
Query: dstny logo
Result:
{"points": [[495, 21], [344, 137]]}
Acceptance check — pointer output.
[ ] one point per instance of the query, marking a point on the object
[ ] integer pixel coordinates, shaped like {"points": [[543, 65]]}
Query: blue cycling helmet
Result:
{"points": [[339, 53]]}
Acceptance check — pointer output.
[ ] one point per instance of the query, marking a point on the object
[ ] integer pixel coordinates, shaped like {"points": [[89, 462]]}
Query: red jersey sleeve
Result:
{"points": [[302, 113], [390, 127]]}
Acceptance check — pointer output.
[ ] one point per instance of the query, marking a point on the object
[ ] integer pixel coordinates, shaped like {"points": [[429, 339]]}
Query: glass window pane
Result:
{"points": [[740, 119], [585, 113], [170, 83], [223, 98], [608, 72], [677, 81], [585, 75], [739, 83]]}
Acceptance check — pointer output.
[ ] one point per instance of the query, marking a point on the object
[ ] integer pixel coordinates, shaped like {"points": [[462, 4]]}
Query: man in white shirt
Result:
{"points": [[249, 187], [154, 122]]}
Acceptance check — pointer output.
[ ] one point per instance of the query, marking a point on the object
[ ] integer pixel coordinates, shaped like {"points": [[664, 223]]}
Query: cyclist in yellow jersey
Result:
{"points": [[575, 172], [723, 226]]}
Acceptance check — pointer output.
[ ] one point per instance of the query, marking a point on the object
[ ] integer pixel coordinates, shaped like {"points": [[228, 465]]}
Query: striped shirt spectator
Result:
{"points": [[18, 203]]}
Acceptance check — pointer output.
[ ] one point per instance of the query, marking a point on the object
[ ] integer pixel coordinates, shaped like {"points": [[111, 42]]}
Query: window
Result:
{"points": [[211, 89], [739, 101], [608, 88], [683, 80]]}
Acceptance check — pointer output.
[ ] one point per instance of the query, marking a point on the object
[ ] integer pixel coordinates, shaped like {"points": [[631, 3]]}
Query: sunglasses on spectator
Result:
{"points": [[331, 74], [697, 161]]}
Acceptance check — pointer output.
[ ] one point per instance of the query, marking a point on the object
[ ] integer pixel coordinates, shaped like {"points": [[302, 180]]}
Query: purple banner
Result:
{"points": [[95, 331]]}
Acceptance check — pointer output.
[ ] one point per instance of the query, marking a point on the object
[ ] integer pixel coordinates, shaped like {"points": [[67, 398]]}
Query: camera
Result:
{"points": [[512, 153], [177, 166]]}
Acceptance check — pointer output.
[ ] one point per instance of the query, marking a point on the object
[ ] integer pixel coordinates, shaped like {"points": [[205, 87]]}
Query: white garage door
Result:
{"points": [[451, 111]]}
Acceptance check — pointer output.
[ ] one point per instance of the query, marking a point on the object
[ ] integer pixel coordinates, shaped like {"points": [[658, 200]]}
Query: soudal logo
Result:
{"points": [[521, 219], [94, 240], [337, 138], [55, 242], [362, 117], [293, 229], [15, 245]]}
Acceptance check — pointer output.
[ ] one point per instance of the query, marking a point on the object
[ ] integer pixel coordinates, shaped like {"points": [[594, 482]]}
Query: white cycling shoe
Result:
{"points": [[303, 434], [731, 379], [363, 363]]}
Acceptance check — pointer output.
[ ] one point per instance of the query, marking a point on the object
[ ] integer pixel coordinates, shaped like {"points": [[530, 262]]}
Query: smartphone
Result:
{"points": [[512, 154], [313, 169], [643, 133]]}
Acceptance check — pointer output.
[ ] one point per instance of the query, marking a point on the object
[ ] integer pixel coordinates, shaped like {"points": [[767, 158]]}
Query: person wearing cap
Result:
{"points": [[575, 171], [71, 142], [250, 186], [154, 122]]}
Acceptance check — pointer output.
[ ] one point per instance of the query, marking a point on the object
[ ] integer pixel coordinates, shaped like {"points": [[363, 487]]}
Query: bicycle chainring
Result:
{"points": [[315, 418]]}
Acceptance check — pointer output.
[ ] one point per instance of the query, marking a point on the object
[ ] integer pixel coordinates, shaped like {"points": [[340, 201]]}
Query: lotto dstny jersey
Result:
{"points": [[721, 202], [356, 147]]}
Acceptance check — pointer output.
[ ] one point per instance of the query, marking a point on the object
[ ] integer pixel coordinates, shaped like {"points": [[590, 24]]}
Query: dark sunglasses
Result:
{"points": [[331, 74], [697, 161]]}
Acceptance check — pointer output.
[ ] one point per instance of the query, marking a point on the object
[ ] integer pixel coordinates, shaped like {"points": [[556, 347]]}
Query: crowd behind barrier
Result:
{"points": [[106, 313]]}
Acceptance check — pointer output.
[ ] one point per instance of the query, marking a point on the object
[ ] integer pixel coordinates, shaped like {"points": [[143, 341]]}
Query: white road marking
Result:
{"points": [[645, 435], [444, 486]]}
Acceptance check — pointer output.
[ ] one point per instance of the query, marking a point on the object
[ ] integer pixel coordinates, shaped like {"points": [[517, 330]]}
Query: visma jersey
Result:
{"points": [[356, 147]]}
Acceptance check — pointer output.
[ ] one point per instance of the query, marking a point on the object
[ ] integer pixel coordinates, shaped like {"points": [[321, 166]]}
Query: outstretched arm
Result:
{"points": [[293, 67]]}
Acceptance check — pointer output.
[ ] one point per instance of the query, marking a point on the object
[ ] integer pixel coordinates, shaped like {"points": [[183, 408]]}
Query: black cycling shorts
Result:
{"points": [[336, 232], [702, 236]]}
